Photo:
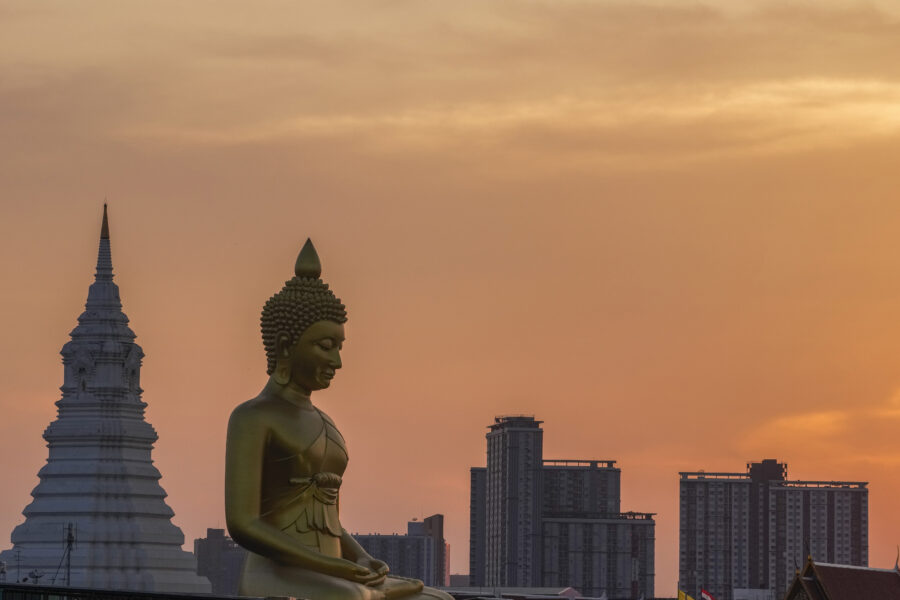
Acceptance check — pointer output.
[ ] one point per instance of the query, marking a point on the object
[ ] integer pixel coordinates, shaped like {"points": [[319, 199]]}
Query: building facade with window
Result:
{"points": [[740, 532], [421, 554], [554, 523]]}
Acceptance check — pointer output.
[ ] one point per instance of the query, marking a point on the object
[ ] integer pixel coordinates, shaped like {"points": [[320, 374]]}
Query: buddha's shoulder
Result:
{"points": [[262, 409], [326, 418]]}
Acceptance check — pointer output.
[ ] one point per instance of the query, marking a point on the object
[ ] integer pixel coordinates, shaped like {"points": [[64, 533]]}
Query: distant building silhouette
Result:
{"points": [[477, 525], [421, 554], [220, 560], [538, 523], [433, 527], [742, 532]]}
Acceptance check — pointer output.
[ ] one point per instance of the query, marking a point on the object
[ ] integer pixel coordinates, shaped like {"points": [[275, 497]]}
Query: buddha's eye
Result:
{"points": [[326, 344]]}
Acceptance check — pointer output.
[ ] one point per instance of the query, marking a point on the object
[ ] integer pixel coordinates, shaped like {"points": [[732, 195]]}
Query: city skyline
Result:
{"points": [[669, 230], [453, 530]]}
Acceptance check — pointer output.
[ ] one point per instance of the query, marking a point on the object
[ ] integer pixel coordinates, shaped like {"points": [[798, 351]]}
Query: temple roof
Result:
{"points": [[825, 581]]}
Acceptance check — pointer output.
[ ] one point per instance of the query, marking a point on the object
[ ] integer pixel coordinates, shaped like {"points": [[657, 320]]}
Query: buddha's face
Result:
{"points": [[316, 356]]}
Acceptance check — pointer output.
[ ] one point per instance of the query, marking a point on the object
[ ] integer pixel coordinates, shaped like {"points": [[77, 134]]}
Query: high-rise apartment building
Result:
{"points": [[420, 554], [220, 560], [433, 527], [513, 502], [553, 523], [750, 531], [477, 525]]}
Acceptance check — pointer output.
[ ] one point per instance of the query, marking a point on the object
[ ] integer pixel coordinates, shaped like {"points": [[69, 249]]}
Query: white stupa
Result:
{"points": [[99, 481]]}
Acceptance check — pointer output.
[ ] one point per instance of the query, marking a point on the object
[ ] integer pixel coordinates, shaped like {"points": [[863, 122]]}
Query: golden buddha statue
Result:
{"points": [[285, 458]]}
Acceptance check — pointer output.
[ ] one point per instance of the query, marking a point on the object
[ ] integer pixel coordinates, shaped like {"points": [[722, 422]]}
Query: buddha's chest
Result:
{"points": [[304, 446]]}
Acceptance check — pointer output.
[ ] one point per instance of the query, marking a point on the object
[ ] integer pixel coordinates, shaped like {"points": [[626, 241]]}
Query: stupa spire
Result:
{"points": [[104, 228], [104, 255], [103, 317]]}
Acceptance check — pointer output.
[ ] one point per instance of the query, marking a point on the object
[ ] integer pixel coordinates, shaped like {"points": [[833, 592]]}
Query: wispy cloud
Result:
{"points": [[850, 436], [630, 129], [569, 85]]}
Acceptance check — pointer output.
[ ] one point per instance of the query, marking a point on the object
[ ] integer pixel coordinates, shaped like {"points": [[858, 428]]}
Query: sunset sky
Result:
{"points": [[668, 229]]}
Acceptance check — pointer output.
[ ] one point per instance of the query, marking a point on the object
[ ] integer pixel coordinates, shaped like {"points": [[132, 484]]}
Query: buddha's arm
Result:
{"points": [[244, 456], [351, 549]]}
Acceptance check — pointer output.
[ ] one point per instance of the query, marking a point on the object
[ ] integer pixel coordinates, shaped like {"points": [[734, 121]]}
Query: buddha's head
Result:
{"points": [[302, 328]]}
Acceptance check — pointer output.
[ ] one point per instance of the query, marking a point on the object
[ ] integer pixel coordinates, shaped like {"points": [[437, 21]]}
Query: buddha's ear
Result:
{"points": [[282, 344]]}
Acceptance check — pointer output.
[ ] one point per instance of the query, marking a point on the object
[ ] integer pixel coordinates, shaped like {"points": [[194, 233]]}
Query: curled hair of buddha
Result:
{"points": [[304, 300]]}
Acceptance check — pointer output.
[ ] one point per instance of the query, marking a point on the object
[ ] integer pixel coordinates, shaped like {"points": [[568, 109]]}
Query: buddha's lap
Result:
{"points": [[264, 577]]}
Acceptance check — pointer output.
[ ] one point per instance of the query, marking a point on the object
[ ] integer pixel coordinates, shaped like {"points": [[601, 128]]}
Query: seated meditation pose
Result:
{"points": [[285, 458]]}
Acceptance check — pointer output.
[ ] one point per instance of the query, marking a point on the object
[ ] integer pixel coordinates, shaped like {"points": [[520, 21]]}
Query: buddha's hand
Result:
{"points": [[375, 565], [355, 571]]}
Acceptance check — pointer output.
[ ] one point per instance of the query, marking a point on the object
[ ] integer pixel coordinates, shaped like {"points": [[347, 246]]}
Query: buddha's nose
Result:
{"points": [[336, 361]]}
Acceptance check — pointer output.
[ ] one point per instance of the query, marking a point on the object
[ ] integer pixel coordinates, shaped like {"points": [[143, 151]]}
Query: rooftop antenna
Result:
{"points": [[69, 541], [70, 544]]}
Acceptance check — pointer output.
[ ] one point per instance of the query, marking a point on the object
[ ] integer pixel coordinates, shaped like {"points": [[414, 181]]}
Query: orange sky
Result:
{"points": [[670, 230]]}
